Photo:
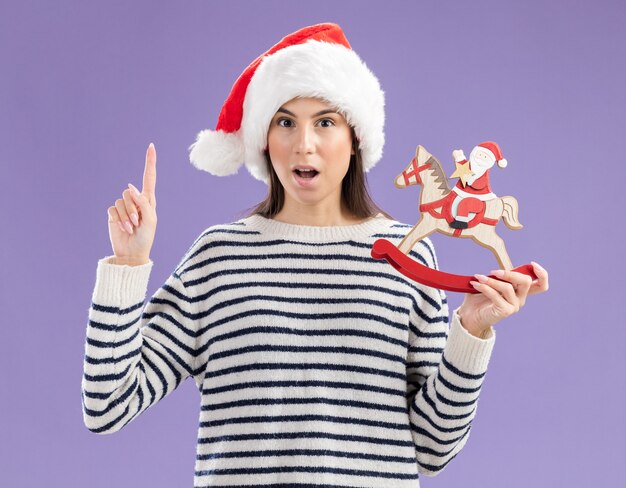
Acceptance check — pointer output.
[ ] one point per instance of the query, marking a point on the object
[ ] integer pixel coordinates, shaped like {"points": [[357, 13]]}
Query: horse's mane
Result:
{"points": [[440, 176]]}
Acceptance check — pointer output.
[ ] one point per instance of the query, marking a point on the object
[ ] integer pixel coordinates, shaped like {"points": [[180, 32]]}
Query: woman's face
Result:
{"points": [[308, 132]]}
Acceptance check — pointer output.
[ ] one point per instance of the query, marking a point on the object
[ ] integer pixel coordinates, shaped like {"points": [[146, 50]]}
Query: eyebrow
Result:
{"points": [[322, 112]]}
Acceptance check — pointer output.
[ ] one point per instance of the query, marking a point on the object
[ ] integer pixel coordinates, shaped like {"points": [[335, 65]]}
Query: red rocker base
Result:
{"points": [[383, 249]]}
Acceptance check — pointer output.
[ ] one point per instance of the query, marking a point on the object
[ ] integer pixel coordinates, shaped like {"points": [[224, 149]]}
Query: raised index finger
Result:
{"points": [[149, 175]]}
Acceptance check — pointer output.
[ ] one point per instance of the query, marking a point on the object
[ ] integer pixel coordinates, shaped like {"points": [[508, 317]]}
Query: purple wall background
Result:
{"points": [[86, 86]]}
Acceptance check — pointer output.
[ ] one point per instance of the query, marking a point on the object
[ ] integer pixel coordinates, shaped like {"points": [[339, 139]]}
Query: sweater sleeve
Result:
{"points": [[446, 366], [134, 356]]}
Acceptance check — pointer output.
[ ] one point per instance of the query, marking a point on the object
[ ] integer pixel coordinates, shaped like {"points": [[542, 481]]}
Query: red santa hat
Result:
{"points": [[495, 151], [315, 61]]}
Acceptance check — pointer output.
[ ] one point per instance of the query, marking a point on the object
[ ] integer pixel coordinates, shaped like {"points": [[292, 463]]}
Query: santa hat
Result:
{"points": [[315, 61], [495, 151]]}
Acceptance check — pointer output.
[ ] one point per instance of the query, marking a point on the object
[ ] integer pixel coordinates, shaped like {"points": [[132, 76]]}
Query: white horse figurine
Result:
{"points": [[435, 207]]}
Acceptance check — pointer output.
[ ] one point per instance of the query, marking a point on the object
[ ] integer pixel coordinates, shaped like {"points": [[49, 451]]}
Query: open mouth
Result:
{"points": [[307, 174]]}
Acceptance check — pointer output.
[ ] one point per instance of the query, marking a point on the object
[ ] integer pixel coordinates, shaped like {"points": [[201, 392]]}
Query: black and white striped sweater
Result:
{"points": [[317, 364]]}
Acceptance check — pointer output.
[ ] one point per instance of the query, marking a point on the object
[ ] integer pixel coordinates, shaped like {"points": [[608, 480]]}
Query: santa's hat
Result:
{"points": [[495, 151], [316, 61]]}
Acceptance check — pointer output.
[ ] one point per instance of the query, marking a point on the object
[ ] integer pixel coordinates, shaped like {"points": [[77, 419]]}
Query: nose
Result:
{"points": [[305, 143]]}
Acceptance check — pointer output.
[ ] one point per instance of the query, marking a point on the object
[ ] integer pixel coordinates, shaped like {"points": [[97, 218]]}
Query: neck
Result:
{"points": [[318, 215]]}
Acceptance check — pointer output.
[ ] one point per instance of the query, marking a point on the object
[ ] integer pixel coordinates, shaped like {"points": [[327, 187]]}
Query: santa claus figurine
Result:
{"points": [[473, 190]]}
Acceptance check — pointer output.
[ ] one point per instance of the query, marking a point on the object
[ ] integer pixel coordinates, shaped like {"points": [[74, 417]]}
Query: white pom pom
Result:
{"points": [[502, 163], [219, 153]]}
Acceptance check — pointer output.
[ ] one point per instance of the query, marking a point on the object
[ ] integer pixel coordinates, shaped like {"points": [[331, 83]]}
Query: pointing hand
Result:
{"points": [[133, 219]]}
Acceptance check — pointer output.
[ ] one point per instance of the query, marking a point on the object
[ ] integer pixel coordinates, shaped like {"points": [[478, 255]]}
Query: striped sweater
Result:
{"points": [[317, 365]]}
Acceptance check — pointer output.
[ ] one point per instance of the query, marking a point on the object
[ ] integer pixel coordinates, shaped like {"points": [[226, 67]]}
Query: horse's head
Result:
{"points": [[411, 174]]}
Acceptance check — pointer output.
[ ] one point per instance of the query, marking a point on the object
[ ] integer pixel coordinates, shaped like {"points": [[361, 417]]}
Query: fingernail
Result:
{"points": [[135, 218], [536, 264], [481, 278], [132, 187], [475, 284], [121, 226], [497, 272], [128, 227]]}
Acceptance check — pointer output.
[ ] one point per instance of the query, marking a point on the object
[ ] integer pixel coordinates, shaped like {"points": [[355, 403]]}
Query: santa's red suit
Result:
{"points": [[471, 197]]}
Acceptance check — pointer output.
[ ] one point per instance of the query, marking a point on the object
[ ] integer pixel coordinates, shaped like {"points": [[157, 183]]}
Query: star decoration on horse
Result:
{"points": [[469, 210], [462, 171]]}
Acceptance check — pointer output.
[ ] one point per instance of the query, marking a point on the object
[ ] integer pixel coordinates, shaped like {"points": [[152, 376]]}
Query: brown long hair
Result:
{"points": [[354, 190]]}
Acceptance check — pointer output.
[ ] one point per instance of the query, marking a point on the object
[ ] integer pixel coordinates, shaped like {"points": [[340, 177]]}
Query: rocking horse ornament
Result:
{"points": [[470, 209]]}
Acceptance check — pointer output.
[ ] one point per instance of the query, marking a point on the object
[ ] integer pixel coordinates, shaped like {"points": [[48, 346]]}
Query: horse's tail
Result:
{"points": [[509, 212]]}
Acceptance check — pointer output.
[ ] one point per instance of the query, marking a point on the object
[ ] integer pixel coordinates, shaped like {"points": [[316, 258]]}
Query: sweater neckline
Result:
{"points": [[283, 229]]}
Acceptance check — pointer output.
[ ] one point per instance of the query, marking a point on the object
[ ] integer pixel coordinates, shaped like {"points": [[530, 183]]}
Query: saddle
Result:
{"points": [[468, 204]]}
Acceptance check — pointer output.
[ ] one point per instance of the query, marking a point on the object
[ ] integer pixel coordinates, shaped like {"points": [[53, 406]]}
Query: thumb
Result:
{"points": [[140, 200]]}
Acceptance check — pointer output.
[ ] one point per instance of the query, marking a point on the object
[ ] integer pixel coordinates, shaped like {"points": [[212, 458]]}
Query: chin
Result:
{"points": [[306, 197]]}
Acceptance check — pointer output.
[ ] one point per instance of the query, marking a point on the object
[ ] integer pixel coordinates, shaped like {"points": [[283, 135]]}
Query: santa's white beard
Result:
{"points": [[479, 169]]}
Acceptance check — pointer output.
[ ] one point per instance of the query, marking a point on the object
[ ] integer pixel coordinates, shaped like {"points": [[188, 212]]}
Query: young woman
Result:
{"points": [[316, 364]]}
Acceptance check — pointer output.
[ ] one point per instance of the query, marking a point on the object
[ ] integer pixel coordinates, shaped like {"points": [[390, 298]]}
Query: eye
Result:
{"points": [[279, 122], [330, 121]]}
